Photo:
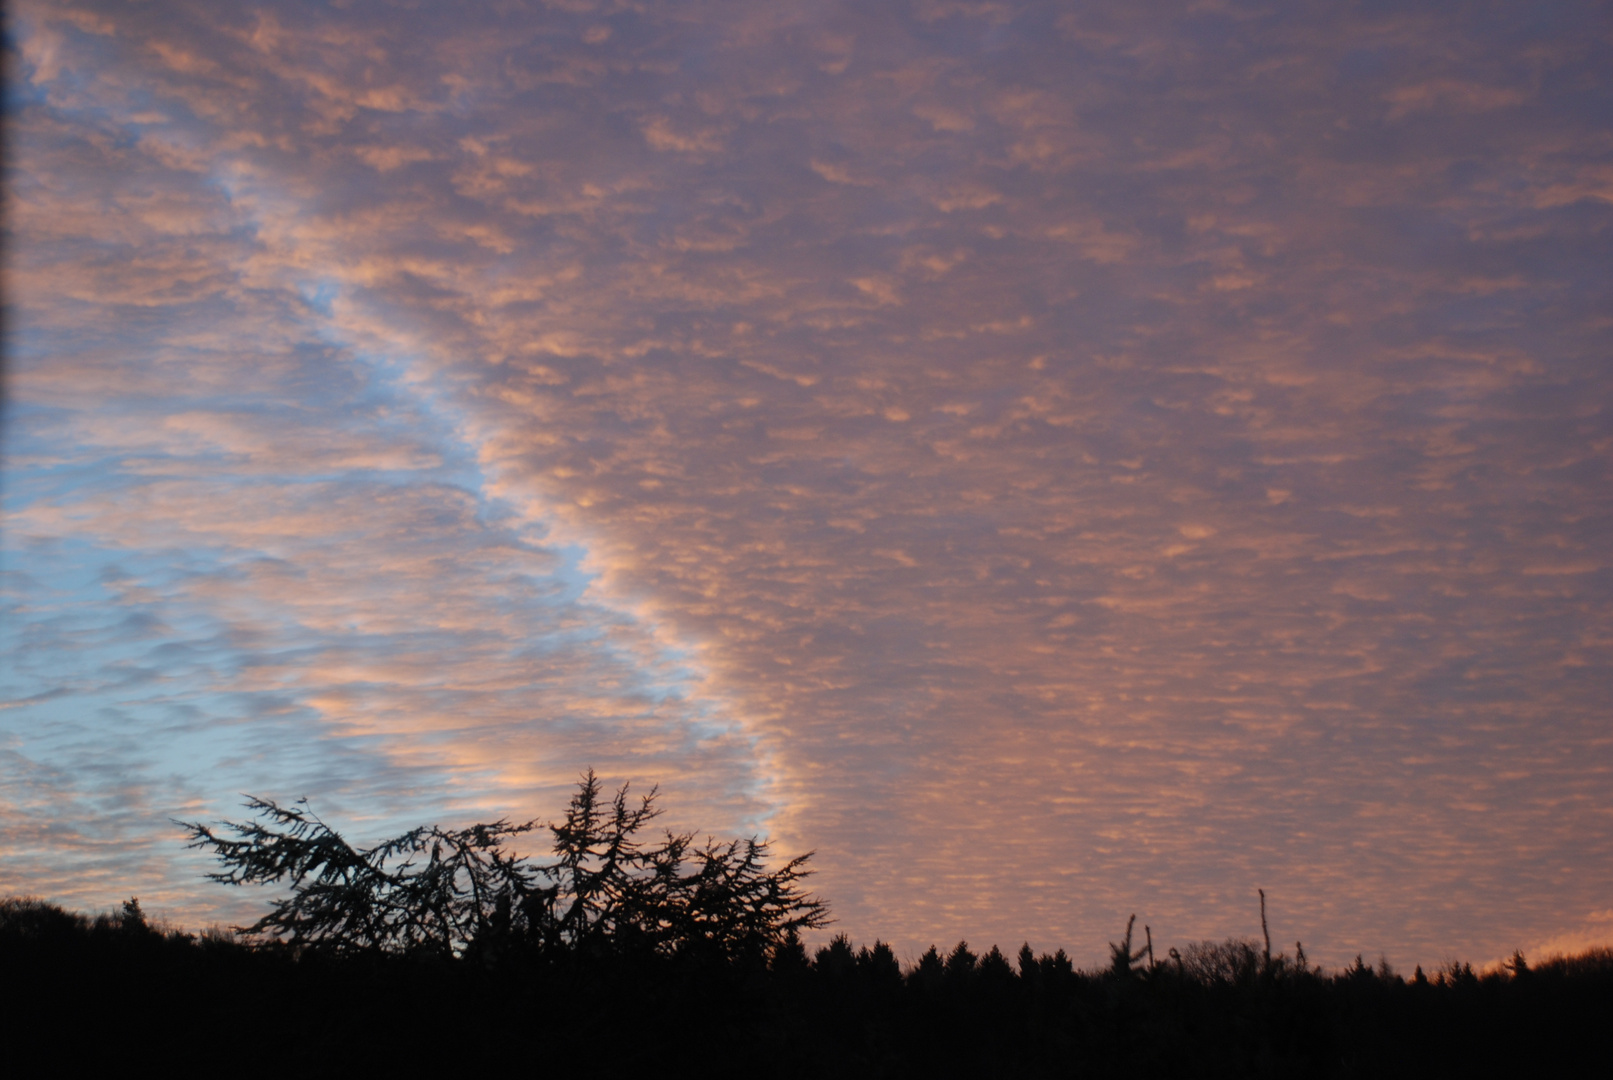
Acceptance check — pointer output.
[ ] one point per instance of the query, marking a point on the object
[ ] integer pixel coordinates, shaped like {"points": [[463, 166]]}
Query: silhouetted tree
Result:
{"points": [[1265, 934], [836, 959], [133, 920], [1122, 961], [789, 957], [458, 892], [930, 972], [1028, 967], [994, 968], [879, 966], [429, 890], [960, 964]]}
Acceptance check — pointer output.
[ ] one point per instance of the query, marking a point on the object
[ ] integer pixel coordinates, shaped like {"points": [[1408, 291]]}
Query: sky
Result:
{"points": [[1052, 460]]}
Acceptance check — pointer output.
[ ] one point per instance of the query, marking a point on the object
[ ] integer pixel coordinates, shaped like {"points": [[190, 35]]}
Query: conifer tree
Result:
{"points": [[459, 892]]}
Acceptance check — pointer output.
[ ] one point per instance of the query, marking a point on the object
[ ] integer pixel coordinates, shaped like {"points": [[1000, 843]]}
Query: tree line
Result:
{"points": [[441, 949]]}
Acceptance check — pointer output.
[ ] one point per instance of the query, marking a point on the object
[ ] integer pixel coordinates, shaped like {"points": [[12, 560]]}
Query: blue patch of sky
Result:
{"points": [[145, 684], [141, 695], [151, 678]]}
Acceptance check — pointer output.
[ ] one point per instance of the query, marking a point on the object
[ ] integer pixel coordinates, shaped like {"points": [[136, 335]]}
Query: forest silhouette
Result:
{"points": [[616, 953]]}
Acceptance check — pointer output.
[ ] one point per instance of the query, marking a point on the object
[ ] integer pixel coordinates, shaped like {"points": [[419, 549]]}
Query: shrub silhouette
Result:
{"points": [[1217, 962], [462, 893]]}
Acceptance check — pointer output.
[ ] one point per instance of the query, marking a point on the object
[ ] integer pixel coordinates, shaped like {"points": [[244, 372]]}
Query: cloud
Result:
{"points": [[1058, 464], [1451, 95]]}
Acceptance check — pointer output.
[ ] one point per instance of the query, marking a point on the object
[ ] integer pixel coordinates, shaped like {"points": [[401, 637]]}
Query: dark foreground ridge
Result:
{"points": [[440, 951]]}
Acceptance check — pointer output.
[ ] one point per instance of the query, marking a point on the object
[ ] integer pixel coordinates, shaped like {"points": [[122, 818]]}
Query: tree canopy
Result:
{"points": [[464, 892]]}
